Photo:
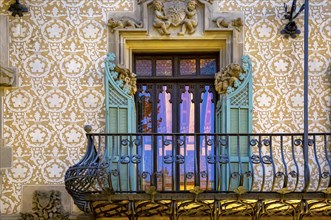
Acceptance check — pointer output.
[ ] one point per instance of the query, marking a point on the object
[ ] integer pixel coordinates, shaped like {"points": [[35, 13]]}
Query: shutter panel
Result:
{"points": [[120, 113], [120, 118], [233, 115]]}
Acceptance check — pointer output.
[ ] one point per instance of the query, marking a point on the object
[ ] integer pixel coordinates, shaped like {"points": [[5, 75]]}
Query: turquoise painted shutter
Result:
{"points": [[120, 113], [234, 115], [120, 118]]}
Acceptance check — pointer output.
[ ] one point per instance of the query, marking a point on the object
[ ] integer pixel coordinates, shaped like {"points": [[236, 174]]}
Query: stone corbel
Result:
{"points": [[7, 77], [233, 76]]}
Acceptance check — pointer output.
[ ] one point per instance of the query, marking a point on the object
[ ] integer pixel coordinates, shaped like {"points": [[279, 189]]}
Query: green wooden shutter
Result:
{"points": [[234, 115], [120, 110], [120, 118]]}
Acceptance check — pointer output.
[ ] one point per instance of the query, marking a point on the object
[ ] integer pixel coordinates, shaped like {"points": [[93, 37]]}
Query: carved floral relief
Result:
{"points": [[46, 205]]}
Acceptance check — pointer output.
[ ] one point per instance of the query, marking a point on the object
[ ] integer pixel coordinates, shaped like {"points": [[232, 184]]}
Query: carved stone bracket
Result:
{"points": [[7, 77], [122, 76], [229, 78], [232, 76]]}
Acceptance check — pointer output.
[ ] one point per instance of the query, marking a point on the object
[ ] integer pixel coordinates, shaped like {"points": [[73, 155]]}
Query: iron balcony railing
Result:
{"points": [[136, 163]]}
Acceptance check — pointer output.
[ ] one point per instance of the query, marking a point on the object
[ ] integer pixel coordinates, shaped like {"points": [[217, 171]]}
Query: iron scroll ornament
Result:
{"points": [[291, 28], [17, 9]]}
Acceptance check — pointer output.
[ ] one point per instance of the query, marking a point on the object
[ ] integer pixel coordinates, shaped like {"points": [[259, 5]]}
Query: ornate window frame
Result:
{"points": [[131, 32]]}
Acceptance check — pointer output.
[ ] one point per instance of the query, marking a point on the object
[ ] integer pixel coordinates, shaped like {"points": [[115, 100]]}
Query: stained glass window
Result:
{"points": [[187, 67], [144, 67], [207, 66], [164, 67]]}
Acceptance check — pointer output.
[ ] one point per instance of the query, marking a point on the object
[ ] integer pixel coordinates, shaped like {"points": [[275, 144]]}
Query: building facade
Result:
{"points": [[53, 58]]}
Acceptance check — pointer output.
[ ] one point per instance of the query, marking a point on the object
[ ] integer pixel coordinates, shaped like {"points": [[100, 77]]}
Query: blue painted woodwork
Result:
{"points": [[120, 109], [234, 115]]}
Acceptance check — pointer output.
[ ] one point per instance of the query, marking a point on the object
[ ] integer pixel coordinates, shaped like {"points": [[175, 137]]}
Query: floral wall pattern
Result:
{"points": [[59, 48]]}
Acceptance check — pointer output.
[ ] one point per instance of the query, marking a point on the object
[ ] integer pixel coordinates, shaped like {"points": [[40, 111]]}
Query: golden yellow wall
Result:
{"points": [[59, 49]]}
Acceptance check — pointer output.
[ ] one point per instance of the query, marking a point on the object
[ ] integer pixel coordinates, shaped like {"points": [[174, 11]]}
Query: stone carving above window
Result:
{"points": [[128, 23], [175, 13], [223, 22], [171, 18]]}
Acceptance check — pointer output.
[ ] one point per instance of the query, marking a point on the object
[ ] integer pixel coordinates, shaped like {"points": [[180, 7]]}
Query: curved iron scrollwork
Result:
{"points": [[291, 28], [222, 159], [17, 9], [114, 176]]}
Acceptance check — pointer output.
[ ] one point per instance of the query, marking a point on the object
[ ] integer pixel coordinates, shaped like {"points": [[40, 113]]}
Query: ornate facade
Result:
{"points": [[58, 49]]}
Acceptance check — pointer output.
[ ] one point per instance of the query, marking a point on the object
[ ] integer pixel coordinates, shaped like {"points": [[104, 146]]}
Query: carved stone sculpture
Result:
{"points": [[161, 21], [46, 205], [7, 76], [128, 23], [223, 22], [191, 21], [126, 79], [227, 77]]}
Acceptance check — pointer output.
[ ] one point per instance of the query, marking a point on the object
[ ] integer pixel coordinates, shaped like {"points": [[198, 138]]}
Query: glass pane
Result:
{"points": [[144, 67], [207, 66], [187, 112], [144, 112], [187, 67], [207, 148], [164, 142], [187, 145], [207, 112], [145, 126], [164, 112], [164, 67]]}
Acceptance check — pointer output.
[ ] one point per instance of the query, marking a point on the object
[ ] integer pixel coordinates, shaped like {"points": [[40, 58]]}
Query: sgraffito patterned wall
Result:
{"points": [[59, 47]]}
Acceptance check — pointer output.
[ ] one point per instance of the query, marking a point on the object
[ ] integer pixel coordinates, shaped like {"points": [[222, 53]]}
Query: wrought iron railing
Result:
{"points": [[134, 163]]}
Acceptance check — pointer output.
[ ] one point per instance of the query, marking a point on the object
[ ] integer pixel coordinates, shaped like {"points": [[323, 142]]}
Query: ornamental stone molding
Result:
{"points": [[188, 23], [8, 79], [7, 74]]}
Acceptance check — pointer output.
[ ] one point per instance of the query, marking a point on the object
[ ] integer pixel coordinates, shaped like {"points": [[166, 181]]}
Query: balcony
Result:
{"points": [[212, 175]]}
